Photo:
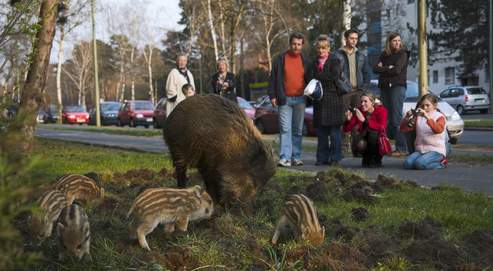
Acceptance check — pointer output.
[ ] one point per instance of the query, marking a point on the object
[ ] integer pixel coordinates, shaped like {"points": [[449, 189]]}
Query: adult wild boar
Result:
{"points": [[215, 136]]}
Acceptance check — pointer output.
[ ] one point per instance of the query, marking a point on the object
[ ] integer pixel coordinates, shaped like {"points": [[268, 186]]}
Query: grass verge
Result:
{"points": [[478, 123], [406, 227]]}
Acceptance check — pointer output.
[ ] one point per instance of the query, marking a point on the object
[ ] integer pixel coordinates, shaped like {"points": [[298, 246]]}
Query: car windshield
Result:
{"points": [[244, 104], [143, 106], [74, 109], [110, 106], [474, 91]]}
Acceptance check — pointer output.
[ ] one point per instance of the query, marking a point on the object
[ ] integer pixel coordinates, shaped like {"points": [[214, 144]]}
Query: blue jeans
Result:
{"points": [[429, 160], [393, 100], [329, 152], [291, 117]]}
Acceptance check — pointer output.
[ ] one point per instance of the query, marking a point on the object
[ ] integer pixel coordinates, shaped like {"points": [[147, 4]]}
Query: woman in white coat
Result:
{"points": [[178, 77]]}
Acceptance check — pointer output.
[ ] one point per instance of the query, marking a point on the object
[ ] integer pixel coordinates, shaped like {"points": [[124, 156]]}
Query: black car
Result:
{"points": [[108, 112], [51, 114]]}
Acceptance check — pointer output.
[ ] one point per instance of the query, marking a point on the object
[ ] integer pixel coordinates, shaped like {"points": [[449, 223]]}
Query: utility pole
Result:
{"points": [[95, 57], [422, 48], [491, 56]]}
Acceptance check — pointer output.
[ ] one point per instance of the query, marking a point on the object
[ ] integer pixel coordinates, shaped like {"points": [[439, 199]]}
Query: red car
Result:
{"points": [[75, 115], [267, 118], [160, 111], [136, 112]]}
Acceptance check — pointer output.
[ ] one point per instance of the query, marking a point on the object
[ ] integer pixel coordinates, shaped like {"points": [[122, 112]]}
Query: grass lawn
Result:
{"points": [[406, 227], [479, 123]]}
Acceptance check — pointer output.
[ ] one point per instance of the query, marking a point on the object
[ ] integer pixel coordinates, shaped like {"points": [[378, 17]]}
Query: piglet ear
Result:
{"points": [[60, 227], [198, 191], [102, 192]]}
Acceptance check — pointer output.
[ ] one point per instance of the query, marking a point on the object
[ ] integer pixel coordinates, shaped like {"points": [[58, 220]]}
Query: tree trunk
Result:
{"points": [[36, 77], [346, 18], [211, 28], [132, 53], [59, 73], [149, 68]]}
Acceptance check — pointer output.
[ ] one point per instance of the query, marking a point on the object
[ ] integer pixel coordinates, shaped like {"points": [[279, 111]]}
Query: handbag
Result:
{"points": [[384, 146]]}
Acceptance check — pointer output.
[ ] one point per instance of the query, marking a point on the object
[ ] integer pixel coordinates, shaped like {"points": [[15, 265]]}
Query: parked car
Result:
{"points": [[159, 113], [247, 107], [455, 124], [108, 112], [51, 114], [267, 118], [75, 115], [136, 112], [467, 98]]}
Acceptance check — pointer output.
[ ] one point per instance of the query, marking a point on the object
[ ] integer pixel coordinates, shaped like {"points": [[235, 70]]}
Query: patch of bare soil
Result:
{"points": [[360, 214], [479, 246], [377, 246]]}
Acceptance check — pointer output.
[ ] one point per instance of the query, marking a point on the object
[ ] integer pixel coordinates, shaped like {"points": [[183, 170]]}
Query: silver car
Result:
{"points": [[455, 124], [467, 98]]}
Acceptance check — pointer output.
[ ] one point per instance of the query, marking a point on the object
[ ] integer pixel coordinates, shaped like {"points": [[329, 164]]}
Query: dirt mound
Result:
{"points": [[165, 173], [361, 191], [360, 214], [337, 229], [427, 228], [440, 253], [175, 258], [317, 191], [479, 246], [337, 256], [376, 246]]}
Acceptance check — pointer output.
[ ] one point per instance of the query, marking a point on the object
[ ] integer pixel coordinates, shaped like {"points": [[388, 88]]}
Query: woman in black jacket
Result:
{"points": [[223, 82], [392, 70], [328, 113]]}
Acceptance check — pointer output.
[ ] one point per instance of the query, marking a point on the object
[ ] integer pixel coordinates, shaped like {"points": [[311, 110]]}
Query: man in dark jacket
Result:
{"points": [[392, 70], [355, 66], [287, 81]]}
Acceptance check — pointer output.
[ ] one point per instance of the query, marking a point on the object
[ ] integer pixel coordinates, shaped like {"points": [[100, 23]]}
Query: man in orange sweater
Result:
{"points": [[287, 81]]}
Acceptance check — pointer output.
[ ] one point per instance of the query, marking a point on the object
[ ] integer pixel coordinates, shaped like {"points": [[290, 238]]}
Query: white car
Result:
{"points": [[467, 98], [455, 124]]}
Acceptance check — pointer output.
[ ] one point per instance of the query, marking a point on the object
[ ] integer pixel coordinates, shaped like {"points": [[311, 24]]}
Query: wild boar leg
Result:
{"points": [[181, 176]]}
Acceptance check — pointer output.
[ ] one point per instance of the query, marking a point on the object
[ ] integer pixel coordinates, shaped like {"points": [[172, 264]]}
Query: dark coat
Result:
{"points": [[330, 110], [276, 82], [229, 92], [396, 75]]}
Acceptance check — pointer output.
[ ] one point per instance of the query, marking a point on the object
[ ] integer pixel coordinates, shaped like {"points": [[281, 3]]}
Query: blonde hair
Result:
{"points": [[370, 96], [323, 41], [222, 59], [393, 35]]}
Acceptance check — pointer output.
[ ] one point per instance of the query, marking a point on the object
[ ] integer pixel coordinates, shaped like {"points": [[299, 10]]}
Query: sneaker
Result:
{"points": [[297, 162], [284, 163], [398, 154]]}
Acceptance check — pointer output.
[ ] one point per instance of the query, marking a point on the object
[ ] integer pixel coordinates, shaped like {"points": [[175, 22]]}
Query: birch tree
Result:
{"points": [[79, 70]]}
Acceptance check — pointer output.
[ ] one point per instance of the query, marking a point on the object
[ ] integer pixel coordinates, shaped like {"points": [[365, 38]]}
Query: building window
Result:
{"points": [[435, 77], [449, 76]]}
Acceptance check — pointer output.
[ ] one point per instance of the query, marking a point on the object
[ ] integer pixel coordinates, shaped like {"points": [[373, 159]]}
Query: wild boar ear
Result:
{"points": [[198, 191], [323, 232]]}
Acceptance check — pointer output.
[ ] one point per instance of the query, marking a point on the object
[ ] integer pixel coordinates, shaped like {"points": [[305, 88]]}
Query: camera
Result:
{"points": [[410, 118]]}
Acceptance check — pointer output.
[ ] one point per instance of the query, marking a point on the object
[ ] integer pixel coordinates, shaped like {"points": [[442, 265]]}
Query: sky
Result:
{"points": [[162, 15]]}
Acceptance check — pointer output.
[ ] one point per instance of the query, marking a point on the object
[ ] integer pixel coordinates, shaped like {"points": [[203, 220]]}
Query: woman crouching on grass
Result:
{"points": [[430, 143], [371, 119]]}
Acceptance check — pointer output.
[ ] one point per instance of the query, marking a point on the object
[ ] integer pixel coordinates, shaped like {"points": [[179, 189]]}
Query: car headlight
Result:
{"points": [[455, 116], [139, 116]]}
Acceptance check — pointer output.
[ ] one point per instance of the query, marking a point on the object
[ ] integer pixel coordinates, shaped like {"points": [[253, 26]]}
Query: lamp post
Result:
{"points": [[491, 55], [95, 58], [422, 49]]}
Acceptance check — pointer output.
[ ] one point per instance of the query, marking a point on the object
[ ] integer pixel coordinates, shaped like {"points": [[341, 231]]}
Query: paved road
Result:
{"points": [[477, 178], [483, 138]]}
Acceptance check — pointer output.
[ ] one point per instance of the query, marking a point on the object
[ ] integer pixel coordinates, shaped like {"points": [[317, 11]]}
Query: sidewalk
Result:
{"points": [[477, 178]]}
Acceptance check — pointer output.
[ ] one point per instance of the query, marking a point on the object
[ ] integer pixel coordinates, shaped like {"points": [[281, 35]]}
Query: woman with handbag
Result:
{"points": [[371, 119], [328, 113], [431, 135]]}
